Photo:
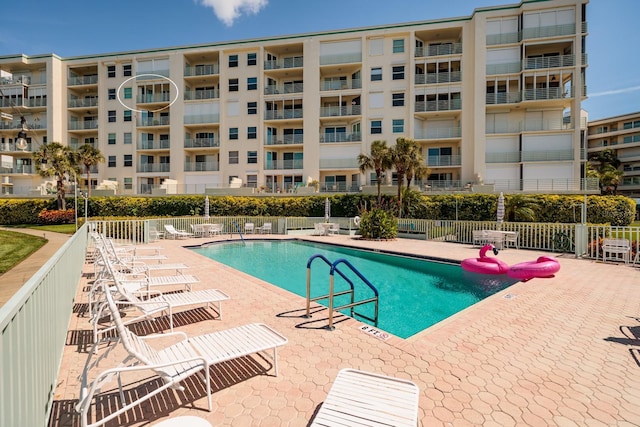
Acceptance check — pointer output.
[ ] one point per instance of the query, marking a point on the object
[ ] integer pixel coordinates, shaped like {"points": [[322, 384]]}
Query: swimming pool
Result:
{"points": [[414, 293]]}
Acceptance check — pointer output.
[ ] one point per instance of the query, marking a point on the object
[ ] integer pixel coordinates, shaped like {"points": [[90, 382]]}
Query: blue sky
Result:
{"points": [[71, 28]]}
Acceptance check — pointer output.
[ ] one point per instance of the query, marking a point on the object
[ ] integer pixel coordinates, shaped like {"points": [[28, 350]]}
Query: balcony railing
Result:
{"points": [[149, 75], [83, 103], [154, 167], [201, 143], [438, 133], [444, 105], [82, 80], [36, 102], [549, 31], [346, 163], [340, 84], [292, 62], [549, 62], [431, 78], [17, 80], [201, 70], [345, 58], [83, 125], [201, 118], [284, 140], [293, 113], [546, 94], [442, 161], [528, 126], [504, 38], [190, 95], [162, 144], [503, 98], [6, 148], [340, 137], [506, 68], [153, 121], [439, 49], [153, 98], [201, 166], [350, 110], [24, 169], [283, 164], [529, 156], [284, 88]]}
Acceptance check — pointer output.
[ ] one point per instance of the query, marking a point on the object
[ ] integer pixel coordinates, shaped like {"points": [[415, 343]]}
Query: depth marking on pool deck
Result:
{"points": [[375, 332]]}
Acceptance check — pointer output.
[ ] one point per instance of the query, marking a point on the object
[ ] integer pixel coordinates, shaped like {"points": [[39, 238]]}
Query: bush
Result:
{"points": [[378, 224], [51, 217]]}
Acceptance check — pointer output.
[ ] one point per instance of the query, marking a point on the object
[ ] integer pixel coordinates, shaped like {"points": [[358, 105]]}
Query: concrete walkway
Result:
{"points": [[13, 279]]}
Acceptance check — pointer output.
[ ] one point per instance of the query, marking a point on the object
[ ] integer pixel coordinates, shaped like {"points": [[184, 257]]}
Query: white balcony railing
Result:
{"points": [[284, 140], [201, 166], [284, 88], [292, 113], [201, 143], [291, 62], [350, 110], [340, 84], [195, 119], [442, 161], [83, 125], [154, 167], [549, 62], [439, 49], [346, 163], [345, 58], [201, 70], [438, 133], [340, 137], [190, 95], [283, 164], [444, 105], [444, 77]]}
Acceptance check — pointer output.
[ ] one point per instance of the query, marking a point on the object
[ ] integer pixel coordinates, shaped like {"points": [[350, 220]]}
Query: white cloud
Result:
{"points": [[615, 91], [229, 10]]}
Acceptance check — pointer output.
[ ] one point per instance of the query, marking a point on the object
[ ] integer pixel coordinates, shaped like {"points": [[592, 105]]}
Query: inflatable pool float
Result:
{"points": [[544, 266], [485, 264]]}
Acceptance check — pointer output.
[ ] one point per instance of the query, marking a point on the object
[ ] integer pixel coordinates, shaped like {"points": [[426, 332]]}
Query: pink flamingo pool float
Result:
{"points": [[544, 266]]}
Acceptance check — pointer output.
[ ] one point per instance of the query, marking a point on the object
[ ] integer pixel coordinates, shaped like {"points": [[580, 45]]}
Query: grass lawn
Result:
{"points": [[14, 247], [62, 228]]}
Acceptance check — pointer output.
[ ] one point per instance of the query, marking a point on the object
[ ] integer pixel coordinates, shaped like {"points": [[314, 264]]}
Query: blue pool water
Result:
{"points": [[414, 293]]}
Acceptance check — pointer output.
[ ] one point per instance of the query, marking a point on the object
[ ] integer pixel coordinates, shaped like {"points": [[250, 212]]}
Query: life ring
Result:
{"points": [[356, 220]]}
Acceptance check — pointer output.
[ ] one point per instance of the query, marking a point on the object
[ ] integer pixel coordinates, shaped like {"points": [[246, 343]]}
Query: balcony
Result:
{"points": [[549, 62], [344, 58], [191, 95], [283, 164], [340, 84], [438, 133], [549, 31], [162, 144], [201, 166], [506, 68], [153, 98], [528, 126], [83, 125], [284, 88], [544, 94], [201, 70], [11, 148], [530, 156], [503, 98], [292, 113], [17, 80], [153, 121], [82, 80], [504, 38], [346, 163], [284, 140], [432, 78], [444, 105], [444, 161], [151, 74], [202, 119], [154, 167], [351, 110], [327, 138], [292, 62], [201, 143], [33, 102], [19, 169], [83, 103], [439, 50]]}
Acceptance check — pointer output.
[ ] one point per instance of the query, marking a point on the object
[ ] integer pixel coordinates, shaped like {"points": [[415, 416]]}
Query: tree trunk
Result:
{"points": [[61, 203]]}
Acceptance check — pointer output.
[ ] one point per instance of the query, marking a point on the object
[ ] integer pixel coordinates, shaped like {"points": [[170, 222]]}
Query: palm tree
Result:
{"points": [[402, 157], [604, 166], [520, 207], [58, 161], [417, 167], [378, 160], [89, 156]]}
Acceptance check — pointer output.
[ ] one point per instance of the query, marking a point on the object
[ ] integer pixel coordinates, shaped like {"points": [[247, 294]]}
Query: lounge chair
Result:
{"points": [[172, 363], [176, 234], [360, 398]]}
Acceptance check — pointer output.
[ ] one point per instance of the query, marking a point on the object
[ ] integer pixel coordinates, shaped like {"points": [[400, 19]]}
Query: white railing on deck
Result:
{"points": [[33, 333]]}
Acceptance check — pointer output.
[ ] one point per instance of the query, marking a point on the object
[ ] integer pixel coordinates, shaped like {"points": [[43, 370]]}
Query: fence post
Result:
{"points": [[581, 237]]}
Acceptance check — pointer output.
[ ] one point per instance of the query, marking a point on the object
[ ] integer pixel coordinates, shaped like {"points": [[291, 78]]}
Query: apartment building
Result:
{"points": [[622, 135], [491, 98]]}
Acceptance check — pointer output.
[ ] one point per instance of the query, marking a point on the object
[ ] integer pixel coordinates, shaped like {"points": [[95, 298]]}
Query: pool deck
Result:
{"points": [[563, 351]]}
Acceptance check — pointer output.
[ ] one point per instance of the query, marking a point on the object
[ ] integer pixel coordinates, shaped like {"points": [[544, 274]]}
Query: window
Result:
{"points": [[233, 61], [111, 94], [376, 126], [252, 157], [398, 99], [127, 115], [252, 132], [112, 161], [233, 157], [252, 181], [128, 183], [233, 85], [111, 71], [233, 133], [398, 46], [111, 116], [398, 126], [127, 138], [252, 108], [252, 58], [398, 72], [112, 139], [252, 83], [127, 93], [376, 74], [128, 160], [126, 70]]}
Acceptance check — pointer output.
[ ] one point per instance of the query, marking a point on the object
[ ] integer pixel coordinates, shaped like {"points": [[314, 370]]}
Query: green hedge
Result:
{"points": [[616, 210]]}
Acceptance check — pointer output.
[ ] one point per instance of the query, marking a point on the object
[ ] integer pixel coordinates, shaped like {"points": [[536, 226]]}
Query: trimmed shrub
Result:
{"points": [[51, 217], [378, 224]]}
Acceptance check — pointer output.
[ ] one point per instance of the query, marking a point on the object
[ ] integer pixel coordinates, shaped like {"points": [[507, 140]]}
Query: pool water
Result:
{"points": [[414, 293]]}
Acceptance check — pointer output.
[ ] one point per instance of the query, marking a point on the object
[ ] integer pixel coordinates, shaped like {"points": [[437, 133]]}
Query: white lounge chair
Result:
{"points": [[176, 234], [172, 363], [360, 398]]}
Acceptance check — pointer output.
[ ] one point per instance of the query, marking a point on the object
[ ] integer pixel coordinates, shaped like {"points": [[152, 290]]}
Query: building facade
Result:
{"points": [[492, 98]]}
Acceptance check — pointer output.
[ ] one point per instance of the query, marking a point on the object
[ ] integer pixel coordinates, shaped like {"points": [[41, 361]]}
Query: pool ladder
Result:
{"points": [[332, 293], [239, 232]]}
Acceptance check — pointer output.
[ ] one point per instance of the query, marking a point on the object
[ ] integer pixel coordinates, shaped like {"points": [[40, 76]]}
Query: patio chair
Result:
{"points": [[334, 229], [249, 228], [171, 363], [265, 229], [366, 399], [176, 234]]}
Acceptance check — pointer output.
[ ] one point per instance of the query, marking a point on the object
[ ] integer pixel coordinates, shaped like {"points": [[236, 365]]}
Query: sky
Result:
{"points": [[69, 28]]}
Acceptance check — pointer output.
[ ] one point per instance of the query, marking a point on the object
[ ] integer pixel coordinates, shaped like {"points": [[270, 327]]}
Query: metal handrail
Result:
{"points": [[239, 232], [309, 299]]}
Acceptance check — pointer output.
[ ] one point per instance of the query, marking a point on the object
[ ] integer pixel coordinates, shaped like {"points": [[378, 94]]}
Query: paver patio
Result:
{"points": [[562, 351]]}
